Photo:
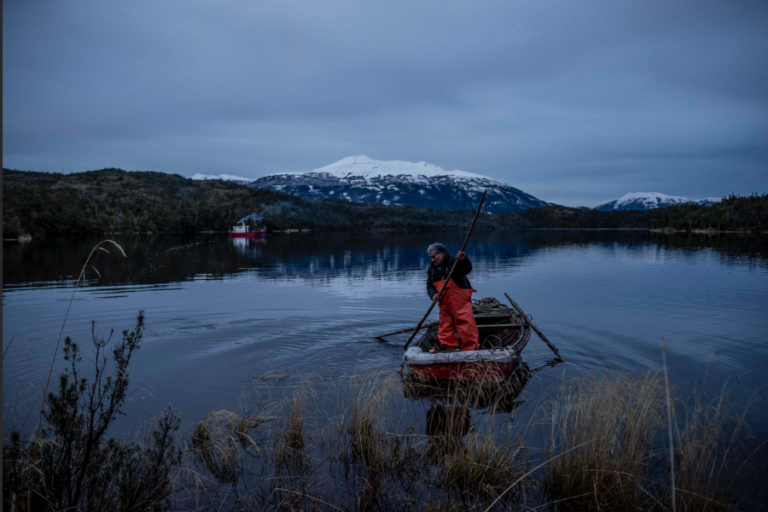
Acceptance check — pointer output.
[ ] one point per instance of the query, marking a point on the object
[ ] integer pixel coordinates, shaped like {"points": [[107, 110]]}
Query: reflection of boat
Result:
{"points": [[249, 246], [246, 232], [446, 426], [499, 395], [503, 335]]}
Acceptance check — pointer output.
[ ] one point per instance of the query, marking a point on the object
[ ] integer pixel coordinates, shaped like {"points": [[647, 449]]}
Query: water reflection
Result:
{"points": [[489, 395], [221, 310], [249, 246], [449, 417], [160, 259], [446, 427]]}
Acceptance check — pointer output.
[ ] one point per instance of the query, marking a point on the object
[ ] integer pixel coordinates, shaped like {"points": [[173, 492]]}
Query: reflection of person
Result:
{"points": [[446, 426], [457, 323], [448, 421]]}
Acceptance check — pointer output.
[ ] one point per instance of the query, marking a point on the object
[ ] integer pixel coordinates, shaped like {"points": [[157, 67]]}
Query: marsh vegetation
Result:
{"points": [[597, 442]]}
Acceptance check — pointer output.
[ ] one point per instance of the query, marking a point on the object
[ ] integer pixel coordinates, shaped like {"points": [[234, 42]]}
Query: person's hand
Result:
{"points": [[461, 255], [435, 297]]}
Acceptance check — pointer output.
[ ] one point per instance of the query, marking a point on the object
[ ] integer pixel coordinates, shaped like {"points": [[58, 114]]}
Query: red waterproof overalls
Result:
{"points": [[456, 315]]}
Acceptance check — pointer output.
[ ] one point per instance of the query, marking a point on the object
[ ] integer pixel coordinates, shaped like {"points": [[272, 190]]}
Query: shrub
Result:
{"points": [[69, 464]]}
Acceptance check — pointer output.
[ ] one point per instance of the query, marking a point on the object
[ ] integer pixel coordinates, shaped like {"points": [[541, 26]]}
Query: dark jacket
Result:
{"points": [[435, 274]]}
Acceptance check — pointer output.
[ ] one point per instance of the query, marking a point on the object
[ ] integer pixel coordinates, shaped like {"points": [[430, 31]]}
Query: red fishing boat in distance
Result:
{"points": [[246, 232], [503, 336]]}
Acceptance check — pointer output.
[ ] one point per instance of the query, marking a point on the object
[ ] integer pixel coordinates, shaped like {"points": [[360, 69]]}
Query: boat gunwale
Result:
{"points": [[514, 348]]}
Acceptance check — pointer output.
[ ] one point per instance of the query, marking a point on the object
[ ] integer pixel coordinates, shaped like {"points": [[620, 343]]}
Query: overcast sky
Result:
{"points": [[575, 102]]}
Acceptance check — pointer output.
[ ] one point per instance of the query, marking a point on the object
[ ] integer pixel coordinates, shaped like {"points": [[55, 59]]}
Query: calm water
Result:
{"points": [[220, 313]]}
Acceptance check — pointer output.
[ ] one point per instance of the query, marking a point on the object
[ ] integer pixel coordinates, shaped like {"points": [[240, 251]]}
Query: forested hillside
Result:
{"points": [[734, 213], [113, 200]]}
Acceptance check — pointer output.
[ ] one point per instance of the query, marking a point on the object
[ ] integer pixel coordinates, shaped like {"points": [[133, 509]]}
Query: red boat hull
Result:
{"points": [[251, 234], [467, 371]]}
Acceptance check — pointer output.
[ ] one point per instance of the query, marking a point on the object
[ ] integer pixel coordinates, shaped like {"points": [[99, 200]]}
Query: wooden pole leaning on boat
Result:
{"points": [[527, 320], [450, 274]]}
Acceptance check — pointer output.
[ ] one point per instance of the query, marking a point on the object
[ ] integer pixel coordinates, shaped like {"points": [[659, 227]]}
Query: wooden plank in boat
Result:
{"points": [[500, 326], [494, 315]]}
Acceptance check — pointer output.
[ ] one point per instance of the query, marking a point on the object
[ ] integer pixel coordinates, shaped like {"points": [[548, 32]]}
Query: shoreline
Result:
{"points": [[752, 233]]}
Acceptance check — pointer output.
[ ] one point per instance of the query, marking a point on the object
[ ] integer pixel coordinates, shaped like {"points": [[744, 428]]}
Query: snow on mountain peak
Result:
{"points": [[361, 166], [651, 199], [366, 167], [223, 177], [362, 179]]}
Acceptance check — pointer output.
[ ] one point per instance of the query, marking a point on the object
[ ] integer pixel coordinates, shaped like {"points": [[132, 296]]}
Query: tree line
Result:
{"points": [[114, 200]]}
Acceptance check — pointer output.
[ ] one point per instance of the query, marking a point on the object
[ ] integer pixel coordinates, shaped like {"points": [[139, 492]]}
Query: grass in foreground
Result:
{"points": [[608, 450], [599, 443]]}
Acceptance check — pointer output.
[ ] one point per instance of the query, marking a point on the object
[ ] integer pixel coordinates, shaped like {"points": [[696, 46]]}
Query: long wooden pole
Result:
{"points": [[450, 274], [528, 321]]}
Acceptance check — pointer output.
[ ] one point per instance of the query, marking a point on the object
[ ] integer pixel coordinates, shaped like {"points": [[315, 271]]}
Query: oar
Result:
{"points": [[527, 320], [381, 337], [450, 274]]}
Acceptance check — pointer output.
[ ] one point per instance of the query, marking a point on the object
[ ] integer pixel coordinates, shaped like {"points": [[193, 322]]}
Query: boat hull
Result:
{"points": [[262, 233], [492, 364], [465, 371]]}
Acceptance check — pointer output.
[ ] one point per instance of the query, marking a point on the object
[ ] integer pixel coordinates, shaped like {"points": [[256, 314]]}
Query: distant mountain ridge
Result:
{"points": [[365, 180], [223, 177], [651, 200]]}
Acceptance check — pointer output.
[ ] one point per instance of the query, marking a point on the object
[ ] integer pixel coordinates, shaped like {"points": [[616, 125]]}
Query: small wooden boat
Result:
{"points": [[503, 336], [246, 232]]}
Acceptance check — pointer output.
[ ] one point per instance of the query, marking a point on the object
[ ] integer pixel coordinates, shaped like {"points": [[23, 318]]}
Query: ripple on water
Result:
{"points": [[218, 314]]}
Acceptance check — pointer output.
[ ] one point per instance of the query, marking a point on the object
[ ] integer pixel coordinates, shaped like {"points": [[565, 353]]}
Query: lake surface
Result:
{"points": [[220, 312]]}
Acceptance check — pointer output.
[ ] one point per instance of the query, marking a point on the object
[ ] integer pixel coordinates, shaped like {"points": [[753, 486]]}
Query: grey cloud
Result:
{"points": [[573, 102]]}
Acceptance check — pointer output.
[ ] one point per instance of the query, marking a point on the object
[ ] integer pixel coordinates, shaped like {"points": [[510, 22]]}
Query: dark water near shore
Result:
{"points": [[220, 313]]}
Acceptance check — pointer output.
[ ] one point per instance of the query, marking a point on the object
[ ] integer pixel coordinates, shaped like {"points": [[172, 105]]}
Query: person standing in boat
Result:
{"points": [[457, 329]]}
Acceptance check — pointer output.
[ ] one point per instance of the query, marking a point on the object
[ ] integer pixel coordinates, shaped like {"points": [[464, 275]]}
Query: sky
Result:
{"points": [[575, 102]]}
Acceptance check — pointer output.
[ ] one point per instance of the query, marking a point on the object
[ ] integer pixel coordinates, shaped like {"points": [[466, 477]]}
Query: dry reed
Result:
{"points": [[640, 445], [288, 438], [709, 452], [220, 442], [614, 421], [605, 449]]}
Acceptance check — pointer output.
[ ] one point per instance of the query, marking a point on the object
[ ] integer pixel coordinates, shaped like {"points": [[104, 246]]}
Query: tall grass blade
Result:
{"points": [[669, 425], [66, 315]]}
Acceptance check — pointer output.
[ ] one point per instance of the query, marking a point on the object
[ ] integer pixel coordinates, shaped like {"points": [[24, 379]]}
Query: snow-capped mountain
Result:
{"points": [[362, 179], [651, 200], [708, 201], [223, 177]]}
